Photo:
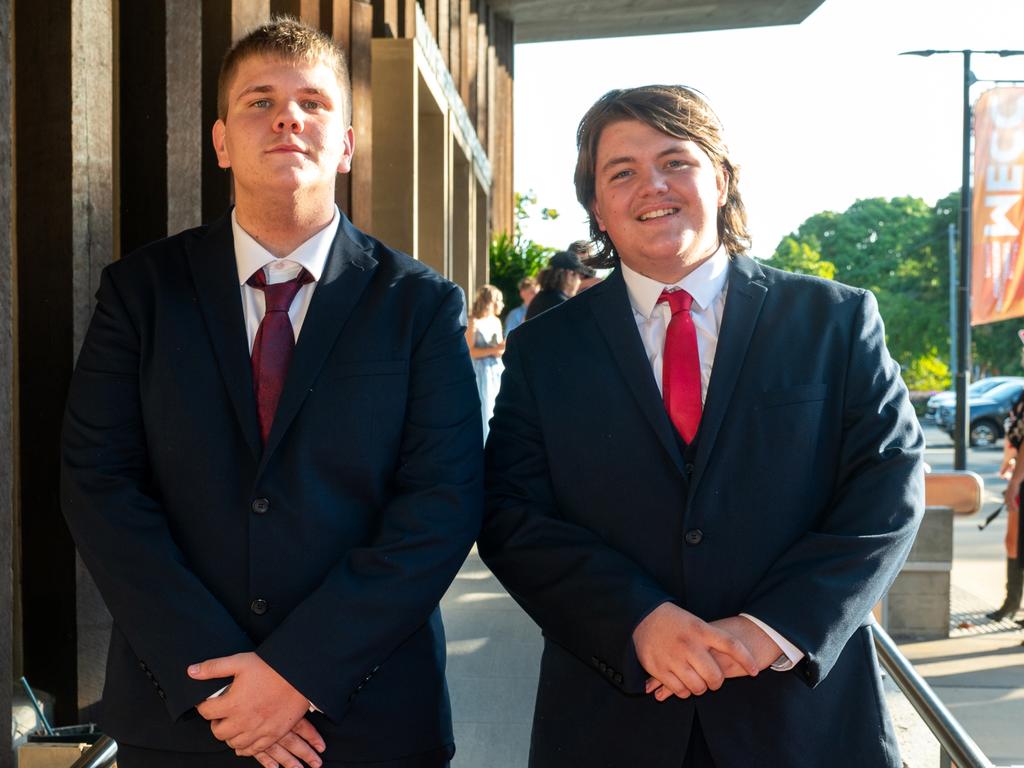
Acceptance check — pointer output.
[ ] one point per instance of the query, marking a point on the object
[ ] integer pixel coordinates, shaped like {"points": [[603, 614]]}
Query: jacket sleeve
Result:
{"points": [[846, 563], [168, 616], [392, 586], [585, 595]]}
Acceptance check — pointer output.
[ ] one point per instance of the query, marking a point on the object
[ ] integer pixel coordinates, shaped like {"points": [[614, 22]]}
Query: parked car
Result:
{"points": [[988, 411], [979, 387]]}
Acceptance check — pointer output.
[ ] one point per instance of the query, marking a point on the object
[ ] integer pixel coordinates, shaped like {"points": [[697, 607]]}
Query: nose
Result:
{"points": [[289, 118], [655, 181]]}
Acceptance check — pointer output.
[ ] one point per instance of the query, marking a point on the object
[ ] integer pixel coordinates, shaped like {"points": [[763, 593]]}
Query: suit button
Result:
{"points": [[261, 506], [618, 678], [258, 606], [694, 536]]}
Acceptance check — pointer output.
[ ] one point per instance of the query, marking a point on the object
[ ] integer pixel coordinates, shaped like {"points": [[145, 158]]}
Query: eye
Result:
{"points": [[622, 174], [261, 103], [311, 105], [676, 164]]}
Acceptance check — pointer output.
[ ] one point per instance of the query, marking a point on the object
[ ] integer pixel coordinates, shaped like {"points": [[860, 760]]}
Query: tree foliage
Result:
{"points": [[898, 249], [515, 256]]}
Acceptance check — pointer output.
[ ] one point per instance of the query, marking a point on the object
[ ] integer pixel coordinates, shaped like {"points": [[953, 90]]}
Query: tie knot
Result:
{"points": [[678, 301], [279, 296]]}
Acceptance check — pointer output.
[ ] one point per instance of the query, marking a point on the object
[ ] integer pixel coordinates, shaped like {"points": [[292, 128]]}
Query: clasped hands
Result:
{"points": [[686, 656], [260, 714]]}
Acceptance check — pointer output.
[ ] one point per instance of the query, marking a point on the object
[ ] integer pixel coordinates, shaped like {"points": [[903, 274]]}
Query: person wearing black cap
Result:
{"points": [[559, 282]]}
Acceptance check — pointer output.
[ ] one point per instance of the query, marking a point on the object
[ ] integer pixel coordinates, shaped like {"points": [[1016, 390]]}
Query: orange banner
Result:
{"points": [[997, 215]]}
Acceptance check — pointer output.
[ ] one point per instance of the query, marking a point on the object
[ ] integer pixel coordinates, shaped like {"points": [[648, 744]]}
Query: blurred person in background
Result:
{"points": [[486, 346], [559, 282], [528, 288]]}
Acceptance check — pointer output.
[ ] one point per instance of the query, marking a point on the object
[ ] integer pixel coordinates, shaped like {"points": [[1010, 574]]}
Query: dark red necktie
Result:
{"points": [[680, 370], [274, 344]]}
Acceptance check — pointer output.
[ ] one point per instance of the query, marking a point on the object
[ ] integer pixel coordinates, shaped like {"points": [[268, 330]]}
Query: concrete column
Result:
{"points": [[463, 216], [185, 130], [483, 240], [9, 634], [93, 248], [433, 242], [395, 148]]}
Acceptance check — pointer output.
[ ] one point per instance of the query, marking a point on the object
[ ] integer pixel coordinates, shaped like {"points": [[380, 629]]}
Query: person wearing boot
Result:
{"points": [[1013, 467]]}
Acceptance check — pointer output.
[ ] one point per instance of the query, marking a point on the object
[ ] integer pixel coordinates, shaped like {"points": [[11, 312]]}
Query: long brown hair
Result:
{"points": [[674, 110]]}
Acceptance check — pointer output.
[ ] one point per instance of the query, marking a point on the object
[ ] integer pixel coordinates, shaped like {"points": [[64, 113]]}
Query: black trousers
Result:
{"points": [[139, 757], [697, 753]]}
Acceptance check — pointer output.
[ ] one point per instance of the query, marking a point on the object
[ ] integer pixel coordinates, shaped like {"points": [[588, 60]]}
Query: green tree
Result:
{"points": [[513, 257]]}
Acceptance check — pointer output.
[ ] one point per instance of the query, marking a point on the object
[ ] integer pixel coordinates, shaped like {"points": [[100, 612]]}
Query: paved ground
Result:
{"points": [[494, 651]]}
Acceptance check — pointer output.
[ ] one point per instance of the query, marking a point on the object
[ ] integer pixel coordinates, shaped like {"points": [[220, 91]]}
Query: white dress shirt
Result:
{"points": [[251, 256], [708, 285]]}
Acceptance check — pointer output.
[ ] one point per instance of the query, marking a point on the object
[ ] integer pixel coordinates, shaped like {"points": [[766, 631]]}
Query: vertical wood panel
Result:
{"points": [[304, 10], [483, 94], [246, 14], [216, 39], [455, 42], [42, 79], [361, 179], [10, 630], [185, 134], [443, 35], [430, 14], [385, 18]]}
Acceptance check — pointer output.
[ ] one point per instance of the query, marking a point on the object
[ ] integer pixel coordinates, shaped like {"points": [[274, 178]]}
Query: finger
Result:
{"points": [[652, 685], [725, 643], [282, 756], [225, 666], [705, 666], [228, 731], [301, 749], [670, 684], [214, 709], [305, 731], [694, 683], [266, 760]]}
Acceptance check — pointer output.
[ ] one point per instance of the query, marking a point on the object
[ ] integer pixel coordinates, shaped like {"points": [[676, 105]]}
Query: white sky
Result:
{"points": [[817, 115]]}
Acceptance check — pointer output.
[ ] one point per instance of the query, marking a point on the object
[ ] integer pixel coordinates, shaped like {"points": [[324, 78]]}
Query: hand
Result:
{"points": [[761, 646], [258, 709], [1009, 461], [302, 743], [675, 647]]}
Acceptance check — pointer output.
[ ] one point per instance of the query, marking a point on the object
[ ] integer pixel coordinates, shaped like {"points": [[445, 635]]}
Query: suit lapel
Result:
{"points": [[613, 313], [349, 268], [212, 263], [743, 302]]}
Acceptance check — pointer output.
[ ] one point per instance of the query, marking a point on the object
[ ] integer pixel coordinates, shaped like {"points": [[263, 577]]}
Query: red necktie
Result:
{"points": [[274, 344], [680, 371]]}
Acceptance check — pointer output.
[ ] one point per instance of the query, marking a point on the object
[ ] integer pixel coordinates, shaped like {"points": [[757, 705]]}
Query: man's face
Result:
{"points": [[527, 294], [284, 130], [657, 197]]}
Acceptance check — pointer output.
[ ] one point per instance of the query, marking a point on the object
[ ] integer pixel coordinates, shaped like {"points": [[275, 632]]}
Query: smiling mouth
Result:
{"points": [[657, 214]]}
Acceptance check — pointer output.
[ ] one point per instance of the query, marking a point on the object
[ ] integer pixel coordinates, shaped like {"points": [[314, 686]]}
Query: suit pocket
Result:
{"points": [[345, 370], [804, 393]]}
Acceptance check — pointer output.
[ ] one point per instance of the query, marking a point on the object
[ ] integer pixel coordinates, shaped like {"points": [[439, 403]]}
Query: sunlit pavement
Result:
{"points": [[494, 651]]}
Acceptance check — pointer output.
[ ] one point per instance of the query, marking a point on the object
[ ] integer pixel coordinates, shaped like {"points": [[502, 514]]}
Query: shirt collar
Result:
{"points": [[704, 283], [311, 255]]}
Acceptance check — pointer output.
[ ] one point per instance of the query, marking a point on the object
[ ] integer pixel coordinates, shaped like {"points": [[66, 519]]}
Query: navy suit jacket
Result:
{"points": [[798, 505], [325, 552]]}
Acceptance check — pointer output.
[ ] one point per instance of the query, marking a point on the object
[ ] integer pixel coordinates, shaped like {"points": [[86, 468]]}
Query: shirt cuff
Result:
{"points": [[791, 655]]}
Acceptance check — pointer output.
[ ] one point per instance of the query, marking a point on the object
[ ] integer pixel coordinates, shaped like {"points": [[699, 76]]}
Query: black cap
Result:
{"points": [[570, 261]]}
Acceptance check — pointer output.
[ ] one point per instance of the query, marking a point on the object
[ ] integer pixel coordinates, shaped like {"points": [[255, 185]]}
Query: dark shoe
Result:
{"points": [[1014, 588]]}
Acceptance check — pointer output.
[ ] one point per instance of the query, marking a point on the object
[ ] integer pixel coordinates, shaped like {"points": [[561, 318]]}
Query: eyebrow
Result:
{"points": [[622, 159], [270, 89]]}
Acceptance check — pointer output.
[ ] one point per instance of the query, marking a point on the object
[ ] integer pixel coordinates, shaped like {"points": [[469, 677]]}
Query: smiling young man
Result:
{"points": [[704, 556], [271, 456]]}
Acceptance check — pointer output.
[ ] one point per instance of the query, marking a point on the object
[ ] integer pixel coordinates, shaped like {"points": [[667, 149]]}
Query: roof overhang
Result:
{"points": [[539, 21]]}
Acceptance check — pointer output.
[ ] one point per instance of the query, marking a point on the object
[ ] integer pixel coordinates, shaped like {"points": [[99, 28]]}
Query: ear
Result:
{"points": [[595, 211], [345, 164], [220, 144], [722, 181]]}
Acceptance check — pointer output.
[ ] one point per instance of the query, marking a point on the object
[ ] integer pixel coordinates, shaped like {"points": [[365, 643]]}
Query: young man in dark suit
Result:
{"points": [[271, 456], [703, 557]]}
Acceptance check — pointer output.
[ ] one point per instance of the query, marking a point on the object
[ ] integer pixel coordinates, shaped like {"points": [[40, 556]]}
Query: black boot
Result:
{"points": [[1014, 588]]}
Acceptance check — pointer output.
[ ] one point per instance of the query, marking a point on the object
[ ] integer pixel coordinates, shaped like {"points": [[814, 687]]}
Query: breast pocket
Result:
{"points": [[785, 427]]}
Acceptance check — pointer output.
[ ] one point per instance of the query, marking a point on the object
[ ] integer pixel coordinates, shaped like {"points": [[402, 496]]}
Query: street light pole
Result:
{"points": [[962, 365]]}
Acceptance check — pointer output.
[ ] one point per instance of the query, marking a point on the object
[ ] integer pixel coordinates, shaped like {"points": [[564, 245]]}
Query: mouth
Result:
{"points": [[286, 148], [657, 214]]}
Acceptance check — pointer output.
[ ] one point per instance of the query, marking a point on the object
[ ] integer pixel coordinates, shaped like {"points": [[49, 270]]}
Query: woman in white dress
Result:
{"points": [[486, 346]]}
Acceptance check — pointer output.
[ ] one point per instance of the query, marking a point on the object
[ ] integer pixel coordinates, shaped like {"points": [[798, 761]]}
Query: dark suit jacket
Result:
{"points": [[798, 506], [327, 551]]}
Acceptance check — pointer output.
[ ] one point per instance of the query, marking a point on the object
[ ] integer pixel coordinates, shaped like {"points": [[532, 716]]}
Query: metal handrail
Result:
{"points": [[100, 755], [953, 739]]}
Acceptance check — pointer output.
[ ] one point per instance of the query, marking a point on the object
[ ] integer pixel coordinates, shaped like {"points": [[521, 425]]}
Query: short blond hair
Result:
{"points": [[288, 39]]}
